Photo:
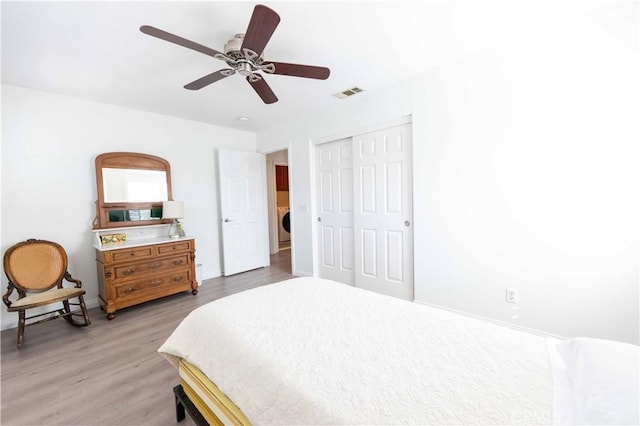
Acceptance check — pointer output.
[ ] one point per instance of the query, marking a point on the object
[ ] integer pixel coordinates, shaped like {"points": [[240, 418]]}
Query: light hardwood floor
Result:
{"points": [[110, 372]]}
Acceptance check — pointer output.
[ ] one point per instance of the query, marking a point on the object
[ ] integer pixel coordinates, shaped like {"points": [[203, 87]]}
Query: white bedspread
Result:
{"points": [[312, 351]]}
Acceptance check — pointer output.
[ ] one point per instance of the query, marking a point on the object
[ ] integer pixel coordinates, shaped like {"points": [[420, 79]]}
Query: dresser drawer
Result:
{"points": [[132, 254], [173, 248], [131, 275], [137, 288], [155, 265]]}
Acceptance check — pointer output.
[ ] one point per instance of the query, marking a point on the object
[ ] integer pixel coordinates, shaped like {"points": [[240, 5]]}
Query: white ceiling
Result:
{"points": [[95, 51]]}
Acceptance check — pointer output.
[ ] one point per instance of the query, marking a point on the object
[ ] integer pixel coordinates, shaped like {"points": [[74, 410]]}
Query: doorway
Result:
{"points": [[282, 204], [279, 212]]}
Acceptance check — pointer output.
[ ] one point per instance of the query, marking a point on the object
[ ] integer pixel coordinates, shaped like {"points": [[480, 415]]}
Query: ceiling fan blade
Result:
{"points": [[295, 70], [263, 90], [261, 26], [172, 38], [209, 78]]}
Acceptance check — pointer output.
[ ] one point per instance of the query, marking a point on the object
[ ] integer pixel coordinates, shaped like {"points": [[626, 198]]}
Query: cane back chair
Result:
{"points": [[36, 270]]}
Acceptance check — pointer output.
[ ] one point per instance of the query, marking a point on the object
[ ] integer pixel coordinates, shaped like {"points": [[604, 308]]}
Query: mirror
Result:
{"points": [[133, 185], [131, 189]]}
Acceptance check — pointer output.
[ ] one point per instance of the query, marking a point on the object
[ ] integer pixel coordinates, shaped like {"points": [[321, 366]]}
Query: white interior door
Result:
{"points": [[334, 191], [243, 206], [383, 207]]}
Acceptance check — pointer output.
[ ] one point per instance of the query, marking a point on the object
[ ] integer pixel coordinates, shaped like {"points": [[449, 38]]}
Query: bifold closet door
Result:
{"points": [[334, 189], [383, 206]]}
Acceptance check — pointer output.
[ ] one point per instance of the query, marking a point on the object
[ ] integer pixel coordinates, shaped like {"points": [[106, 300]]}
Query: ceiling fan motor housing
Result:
{"points": [[233, 48], [243, 61], [234, 45]]}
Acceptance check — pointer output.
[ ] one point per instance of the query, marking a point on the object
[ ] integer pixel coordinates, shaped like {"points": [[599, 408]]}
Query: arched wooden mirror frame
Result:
{"points": [[106, 211]]}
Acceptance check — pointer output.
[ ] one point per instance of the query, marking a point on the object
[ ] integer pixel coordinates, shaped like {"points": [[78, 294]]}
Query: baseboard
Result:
{"points": [[12, 322], [215, 275], [9, 324], [494, 321], [301, 273]]}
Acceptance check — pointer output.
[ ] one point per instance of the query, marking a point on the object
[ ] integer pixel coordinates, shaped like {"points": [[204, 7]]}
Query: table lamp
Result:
{"points": [[173, 210]]}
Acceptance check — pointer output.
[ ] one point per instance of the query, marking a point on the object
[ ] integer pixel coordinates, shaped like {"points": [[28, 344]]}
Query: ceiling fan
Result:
{"points": [[243, 55]]}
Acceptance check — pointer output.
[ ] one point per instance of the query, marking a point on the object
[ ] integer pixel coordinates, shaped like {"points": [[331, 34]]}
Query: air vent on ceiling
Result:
{"points": [[349, 92]]}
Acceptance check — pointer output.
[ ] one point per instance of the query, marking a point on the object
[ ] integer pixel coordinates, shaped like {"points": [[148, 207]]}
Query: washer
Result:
{"points": [[283, 224]]}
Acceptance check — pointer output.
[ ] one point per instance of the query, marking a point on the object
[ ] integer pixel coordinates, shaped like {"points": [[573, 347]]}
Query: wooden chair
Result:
{"points": [[36, 269]]}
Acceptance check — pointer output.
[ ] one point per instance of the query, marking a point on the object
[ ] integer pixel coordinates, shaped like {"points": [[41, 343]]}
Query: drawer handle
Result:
{"points": [[178, 278], [177, 262], [155, 283], [129, 271], [173, 248], [132, 254], [129, 290], [155, 265]]}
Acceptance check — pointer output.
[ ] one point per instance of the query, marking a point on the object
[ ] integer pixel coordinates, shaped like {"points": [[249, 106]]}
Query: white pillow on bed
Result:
{"points": [[605, 379]]}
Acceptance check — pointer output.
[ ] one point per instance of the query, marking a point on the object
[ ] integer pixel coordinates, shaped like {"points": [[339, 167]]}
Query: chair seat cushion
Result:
{"points": [[44, 298]]}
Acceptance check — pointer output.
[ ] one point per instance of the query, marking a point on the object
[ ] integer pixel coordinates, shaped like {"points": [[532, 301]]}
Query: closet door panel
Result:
{"points": [[383, 211], [334, 199]]}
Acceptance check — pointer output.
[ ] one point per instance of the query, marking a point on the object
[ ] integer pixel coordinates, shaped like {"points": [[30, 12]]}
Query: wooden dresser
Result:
{"points": [[139, 271]]}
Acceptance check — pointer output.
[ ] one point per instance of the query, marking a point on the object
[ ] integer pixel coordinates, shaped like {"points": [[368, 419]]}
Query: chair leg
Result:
{"points": [[85, 314], [21, 319], [65, 312], [69, 318]]}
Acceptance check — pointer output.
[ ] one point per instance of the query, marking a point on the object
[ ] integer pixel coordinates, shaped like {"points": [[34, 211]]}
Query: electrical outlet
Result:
{"points": [[512, 295]]}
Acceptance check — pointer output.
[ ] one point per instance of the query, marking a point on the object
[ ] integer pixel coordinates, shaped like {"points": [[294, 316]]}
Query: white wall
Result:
{"points": [[278, 157], [49, 144], [525, 169]]}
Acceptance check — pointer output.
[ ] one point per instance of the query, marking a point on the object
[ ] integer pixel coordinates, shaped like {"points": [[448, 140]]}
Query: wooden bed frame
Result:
{"points": [[206, 404], [183, 403]]}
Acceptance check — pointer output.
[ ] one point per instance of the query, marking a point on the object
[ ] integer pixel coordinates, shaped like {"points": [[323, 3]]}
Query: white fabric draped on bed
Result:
{"points": [[312, 351]]}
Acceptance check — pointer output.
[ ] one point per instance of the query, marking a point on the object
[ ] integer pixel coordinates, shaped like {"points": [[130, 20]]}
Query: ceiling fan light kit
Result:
{"points": [[244, 55]]}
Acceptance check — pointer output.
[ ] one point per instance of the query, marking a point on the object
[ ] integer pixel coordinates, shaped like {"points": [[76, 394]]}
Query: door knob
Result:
{"points": [[227, 220], [319, 220], [407, 223]]}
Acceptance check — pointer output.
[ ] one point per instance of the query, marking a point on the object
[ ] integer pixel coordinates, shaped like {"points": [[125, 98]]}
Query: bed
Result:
{"points": [[313, 351]]}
